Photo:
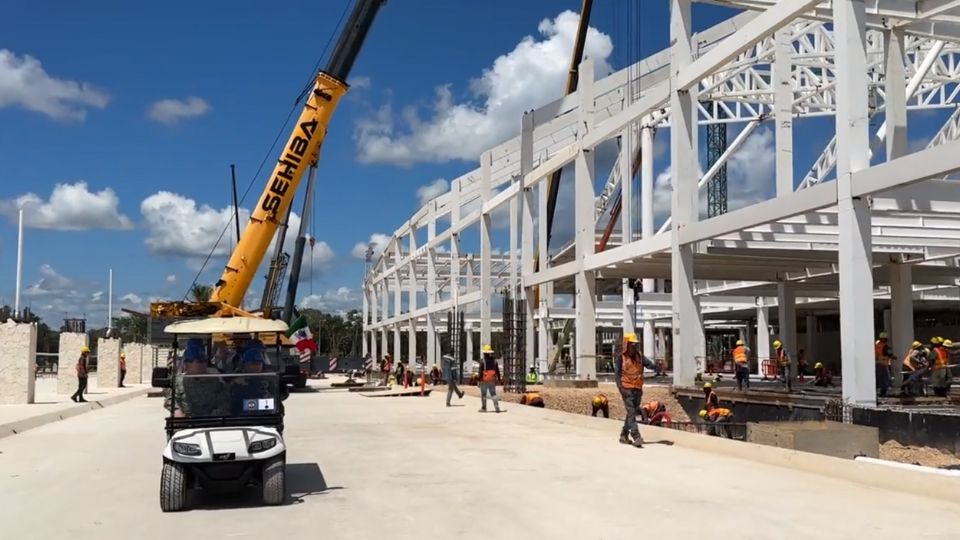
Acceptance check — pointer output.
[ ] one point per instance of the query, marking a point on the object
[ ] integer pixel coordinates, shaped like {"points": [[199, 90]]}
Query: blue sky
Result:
{"points": [[152, 105]]}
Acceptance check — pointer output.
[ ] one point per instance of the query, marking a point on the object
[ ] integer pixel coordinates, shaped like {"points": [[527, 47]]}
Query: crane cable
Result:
{"points": [[303, 93]]}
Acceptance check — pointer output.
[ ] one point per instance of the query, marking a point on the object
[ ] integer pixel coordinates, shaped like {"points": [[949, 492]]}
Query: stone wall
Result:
{"points": [[134, 352], [146, 365], [18, 357], [108, 363], [70, 345]]}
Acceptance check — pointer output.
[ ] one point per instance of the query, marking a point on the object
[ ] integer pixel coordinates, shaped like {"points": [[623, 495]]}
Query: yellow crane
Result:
{"points": [[301, 152]]}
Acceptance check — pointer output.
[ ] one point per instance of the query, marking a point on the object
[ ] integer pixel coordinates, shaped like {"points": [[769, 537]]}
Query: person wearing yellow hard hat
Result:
{"points": [[741, 361], [489, 377], [628, 372], [940, 376], [82, 372], [783, 360], [883, 357], [123, 368], [717, 420], [600, 404], [710, 398], [821, 375]]}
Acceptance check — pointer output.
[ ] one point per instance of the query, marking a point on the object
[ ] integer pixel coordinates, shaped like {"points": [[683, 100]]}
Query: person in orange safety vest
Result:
{"points": [[533, 399], [710, 398], [741, 363], [600, 404], [652, 412], [940, 376], [489, 376], [717, 420], [628, 372], [882, 355], [783, 360]]}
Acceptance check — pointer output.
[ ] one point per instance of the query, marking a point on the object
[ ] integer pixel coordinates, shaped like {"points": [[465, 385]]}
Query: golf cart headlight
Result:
{"points": [[260, 446], [186, 449]]}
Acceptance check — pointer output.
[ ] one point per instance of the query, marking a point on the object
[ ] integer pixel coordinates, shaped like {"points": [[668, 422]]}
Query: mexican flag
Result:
{"points": [[302, 339]]}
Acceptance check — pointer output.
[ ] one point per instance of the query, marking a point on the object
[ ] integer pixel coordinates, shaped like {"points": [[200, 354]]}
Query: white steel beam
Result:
{"points": [[486, 288], [783, 111], [895, 96], [585, 281], [526, 237], [647, 134]]}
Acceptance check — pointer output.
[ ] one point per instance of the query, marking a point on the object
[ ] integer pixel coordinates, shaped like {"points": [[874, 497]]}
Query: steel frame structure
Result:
{"points": [[887, 227]]}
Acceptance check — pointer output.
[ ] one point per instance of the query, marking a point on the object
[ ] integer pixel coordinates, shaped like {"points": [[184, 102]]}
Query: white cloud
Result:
{"points": [[340, 300], [131, 298], [530, 75], [50, 282], [172, 111], [172, 278], [178, 227], [359, 81], [379, 241], [24, 83], [432, 190], [71, 207]]}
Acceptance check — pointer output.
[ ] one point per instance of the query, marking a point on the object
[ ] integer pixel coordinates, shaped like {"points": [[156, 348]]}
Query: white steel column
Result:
{"points": [[412, 297], [855, 253], [431, 288], [469, 332], [397, 299], [627, 151], [901, 331], [763, 334], [385, 312], [812, 338], [783, 110], [486, 289], [895, 92], [647, 133], [455, 250], [526, 236], [787, 314], [545, 344], [687, 322], [363, 317], [585, 284]]}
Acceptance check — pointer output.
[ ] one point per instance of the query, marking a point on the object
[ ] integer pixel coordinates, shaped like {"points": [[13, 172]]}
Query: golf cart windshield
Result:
{"points": [[234, 395]]}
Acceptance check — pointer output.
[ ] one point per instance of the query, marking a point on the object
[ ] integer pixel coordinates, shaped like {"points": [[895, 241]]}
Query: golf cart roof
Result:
{"points": [[227, 325]]}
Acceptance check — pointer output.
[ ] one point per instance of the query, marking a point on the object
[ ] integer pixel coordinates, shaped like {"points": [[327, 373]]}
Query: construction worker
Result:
{"points": [[915, 365], [801, 364], [882, 355], [940, 377], [532, 377], [710, 398], [821, 375], [123, 368], [451, 372], [600, 404], [628, 371], [489, 375], [435, 375], [81, 375], [533, 399], [651, 413], [783, 360], [741, 362], [717, 421]]}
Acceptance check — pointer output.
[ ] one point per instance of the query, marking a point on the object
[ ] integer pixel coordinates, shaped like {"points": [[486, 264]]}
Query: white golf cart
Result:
{"points": [[224, 431]]}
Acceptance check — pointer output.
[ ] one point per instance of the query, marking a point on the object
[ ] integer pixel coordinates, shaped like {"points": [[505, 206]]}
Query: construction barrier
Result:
{"points": [[770, 370]]}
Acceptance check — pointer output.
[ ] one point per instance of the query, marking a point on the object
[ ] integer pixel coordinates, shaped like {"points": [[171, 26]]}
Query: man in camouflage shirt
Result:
{"points": [[193, 363]]}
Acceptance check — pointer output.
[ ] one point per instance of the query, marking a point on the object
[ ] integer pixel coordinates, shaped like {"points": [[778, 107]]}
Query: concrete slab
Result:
{"points": [[51, 406], [414, 469]]}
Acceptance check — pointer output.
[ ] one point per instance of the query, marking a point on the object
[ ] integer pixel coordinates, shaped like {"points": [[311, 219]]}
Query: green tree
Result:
{"points": [[201, 293], [48, 340]]}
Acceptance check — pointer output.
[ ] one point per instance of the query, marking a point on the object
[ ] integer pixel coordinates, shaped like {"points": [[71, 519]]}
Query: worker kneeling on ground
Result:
{"points": [[741, 361], [533, 399], [629, 376], [653, 413], [717, 421], [600, 404], [532, 377], [821, 375]]}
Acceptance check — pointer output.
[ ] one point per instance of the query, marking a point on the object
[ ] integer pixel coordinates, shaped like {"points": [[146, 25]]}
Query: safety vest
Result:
{"points": [[782, 357], [943, 358], [531, 378], [880, 352], [908, 363], [652, 407], [719, 412], [740, 354], [532, 397], [631, 373], [489, 375]]}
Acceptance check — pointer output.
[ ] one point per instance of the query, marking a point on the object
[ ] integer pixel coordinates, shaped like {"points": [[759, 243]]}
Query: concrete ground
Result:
{"points": [[365, 468], [46, 399]]}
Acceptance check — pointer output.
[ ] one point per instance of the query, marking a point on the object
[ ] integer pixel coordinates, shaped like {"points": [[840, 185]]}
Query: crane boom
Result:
{"points": [[301, 151]]}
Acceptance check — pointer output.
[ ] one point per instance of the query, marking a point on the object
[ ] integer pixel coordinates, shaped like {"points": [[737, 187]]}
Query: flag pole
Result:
{"points": [[110, 303]]}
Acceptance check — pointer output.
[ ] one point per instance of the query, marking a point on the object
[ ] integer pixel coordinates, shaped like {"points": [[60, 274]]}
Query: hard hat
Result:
{"points": [[947, 343], [917, 345], [818, 365], [777, 344], [84, 349], [599, 399], [883, 335], [630, 337], [123, 355], [739, 342], [936, 340], [487, 349], [703, 413], [707, 385]]}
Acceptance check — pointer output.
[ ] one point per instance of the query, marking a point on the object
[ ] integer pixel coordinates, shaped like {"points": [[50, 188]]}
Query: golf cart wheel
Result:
{"points": [[274, 481], [173, 487]]}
